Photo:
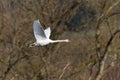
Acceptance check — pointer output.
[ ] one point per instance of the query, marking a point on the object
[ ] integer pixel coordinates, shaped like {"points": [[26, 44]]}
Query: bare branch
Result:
{"points": [[109, 27], [13, 78], [111, 8], [61, 75], [10, 66], [113, 14], [104, 57]]}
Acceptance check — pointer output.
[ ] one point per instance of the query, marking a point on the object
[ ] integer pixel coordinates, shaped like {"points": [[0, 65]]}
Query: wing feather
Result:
{"points": [[47, 32], [38, 30]]}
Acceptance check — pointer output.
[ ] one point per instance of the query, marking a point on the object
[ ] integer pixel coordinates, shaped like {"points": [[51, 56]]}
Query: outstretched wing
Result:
{"points": [[47, 32], [38, 30]]}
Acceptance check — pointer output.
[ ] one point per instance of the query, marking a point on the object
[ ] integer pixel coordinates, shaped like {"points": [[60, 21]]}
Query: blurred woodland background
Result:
{"points": [[93, 26]]}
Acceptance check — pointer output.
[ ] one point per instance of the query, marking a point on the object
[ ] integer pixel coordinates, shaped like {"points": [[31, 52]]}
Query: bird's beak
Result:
{"points": [[68, 40]]}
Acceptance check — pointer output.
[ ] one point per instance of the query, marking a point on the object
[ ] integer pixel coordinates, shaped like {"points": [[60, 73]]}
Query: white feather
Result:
{"points": [[47, 32], [43, 36]]}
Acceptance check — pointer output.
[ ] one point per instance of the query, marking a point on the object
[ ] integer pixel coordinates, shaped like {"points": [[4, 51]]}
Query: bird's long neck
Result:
{"points": [[55, 41]]}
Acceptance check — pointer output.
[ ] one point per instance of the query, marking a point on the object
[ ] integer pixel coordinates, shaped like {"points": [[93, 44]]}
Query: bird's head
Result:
{"points": [[67, 40]]}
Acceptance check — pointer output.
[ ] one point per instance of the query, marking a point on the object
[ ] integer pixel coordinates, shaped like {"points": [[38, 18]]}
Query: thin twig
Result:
{"points": [[111, 8], [61, 75], [10, 66], [109, 27], [13, 78]]}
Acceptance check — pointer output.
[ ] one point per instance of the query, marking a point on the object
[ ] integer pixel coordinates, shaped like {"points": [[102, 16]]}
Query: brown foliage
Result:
{"points": [[92, 26]]}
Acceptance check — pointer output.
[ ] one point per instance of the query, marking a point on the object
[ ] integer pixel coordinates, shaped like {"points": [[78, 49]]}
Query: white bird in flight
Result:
{"points": [[43, 36]]}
